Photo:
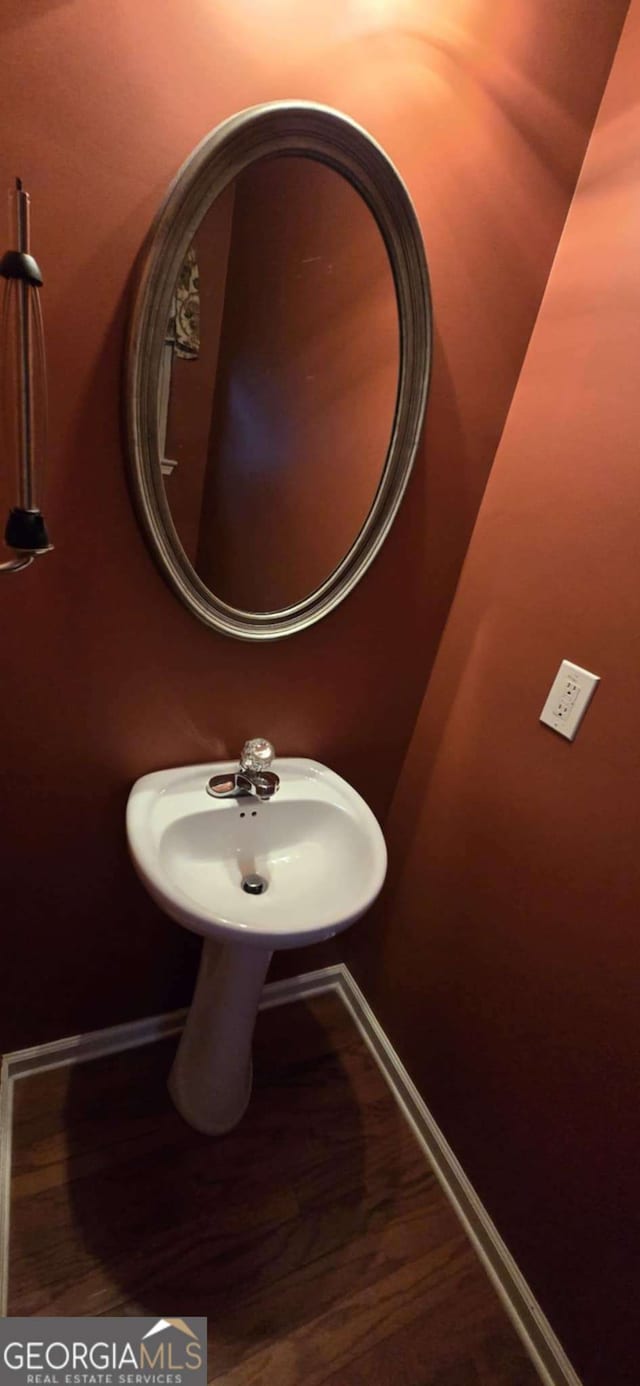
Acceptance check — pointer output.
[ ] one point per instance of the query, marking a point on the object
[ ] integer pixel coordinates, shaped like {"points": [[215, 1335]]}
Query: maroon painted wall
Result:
{"points": [[505, 959], [486, 110]]}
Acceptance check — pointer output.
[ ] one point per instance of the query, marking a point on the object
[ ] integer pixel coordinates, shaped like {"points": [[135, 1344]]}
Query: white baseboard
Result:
{"points": [[532, 1326], [6, 1120]]}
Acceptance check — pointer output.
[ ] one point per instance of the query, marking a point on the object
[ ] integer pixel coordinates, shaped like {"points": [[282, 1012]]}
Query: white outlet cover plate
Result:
{"points": [[569, 697]]}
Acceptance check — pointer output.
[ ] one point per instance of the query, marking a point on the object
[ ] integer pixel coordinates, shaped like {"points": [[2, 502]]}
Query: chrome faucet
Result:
{"points": [[253, 776]]}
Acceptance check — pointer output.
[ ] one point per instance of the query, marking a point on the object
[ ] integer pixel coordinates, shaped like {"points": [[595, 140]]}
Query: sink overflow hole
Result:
{"points": [[254, 884]]}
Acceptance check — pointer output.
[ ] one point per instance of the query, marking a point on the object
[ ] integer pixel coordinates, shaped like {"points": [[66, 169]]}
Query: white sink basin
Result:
{"points": [[321, 858], [316, 844]]}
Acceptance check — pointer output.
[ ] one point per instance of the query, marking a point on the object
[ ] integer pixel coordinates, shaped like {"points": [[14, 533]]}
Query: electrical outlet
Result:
{"points": [[569, 697]]}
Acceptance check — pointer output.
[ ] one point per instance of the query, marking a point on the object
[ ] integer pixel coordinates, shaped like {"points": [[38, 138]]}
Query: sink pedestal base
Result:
{"points": [[210, 1081]]}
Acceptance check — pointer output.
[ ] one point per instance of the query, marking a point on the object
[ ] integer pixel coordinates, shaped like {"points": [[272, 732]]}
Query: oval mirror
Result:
{"points": [[278, 366]]}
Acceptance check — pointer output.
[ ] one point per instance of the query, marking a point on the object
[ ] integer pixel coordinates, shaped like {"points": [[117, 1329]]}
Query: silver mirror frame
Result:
{"points": [[311, 131]]}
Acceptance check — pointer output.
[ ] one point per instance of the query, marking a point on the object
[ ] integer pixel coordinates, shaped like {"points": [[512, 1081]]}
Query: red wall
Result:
{"points": [[486, 109], [505, 961], [306, 387]]}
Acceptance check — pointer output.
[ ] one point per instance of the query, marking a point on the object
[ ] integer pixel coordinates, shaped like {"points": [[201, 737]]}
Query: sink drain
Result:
{"points": [[254, 884]]}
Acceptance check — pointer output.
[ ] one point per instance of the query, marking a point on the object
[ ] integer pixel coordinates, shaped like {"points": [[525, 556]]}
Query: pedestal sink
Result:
{"points": [[320, 860]]}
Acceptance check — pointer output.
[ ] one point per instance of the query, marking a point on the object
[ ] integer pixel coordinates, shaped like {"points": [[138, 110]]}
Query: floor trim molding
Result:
{"points": [[532, 1326], [6, 1119]]}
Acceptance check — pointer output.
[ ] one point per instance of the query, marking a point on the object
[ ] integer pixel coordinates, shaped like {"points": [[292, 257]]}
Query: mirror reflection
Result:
{"points": [[278, 387]]}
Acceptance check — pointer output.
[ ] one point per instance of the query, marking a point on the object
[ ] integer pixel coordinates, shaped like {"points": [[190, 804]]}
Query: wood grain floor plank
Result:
{"points": [[332, 1342], [314, 1238]]}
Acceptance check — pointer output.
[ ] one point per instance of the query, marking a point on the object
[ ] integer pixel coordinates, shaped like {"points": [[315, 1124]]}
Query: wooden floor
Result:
{"points": [[314, 1237]]}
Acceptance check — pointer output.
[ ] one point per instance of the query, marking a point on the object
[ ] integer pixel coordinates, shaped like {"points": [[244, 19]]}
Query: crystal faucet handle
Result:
{"points": [[257, 754]]}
